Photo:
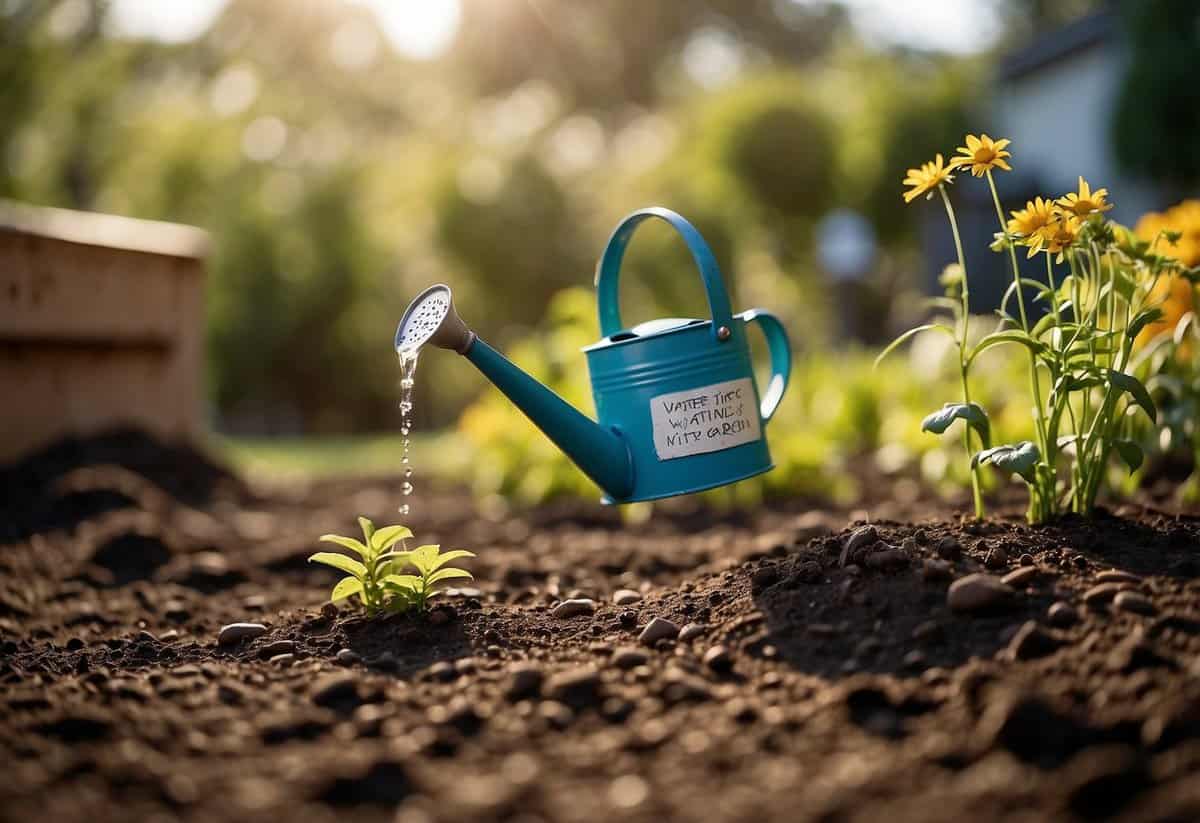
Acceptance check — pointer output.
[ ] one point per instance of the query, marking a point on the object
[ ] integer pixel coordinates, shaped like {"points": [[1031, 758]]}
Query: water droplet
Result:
{"points": [[407, 488], [403, 510]]}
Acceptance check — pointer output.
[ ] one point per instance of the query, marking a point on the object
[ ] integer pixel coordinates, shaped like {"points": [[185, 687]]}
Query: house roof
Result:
{"points": [[108, 230], [1058, 44]]}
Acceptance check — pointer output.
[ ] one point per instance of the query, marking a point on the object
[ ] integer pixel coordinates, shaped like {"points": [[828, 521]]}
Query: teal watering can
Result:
{"points": [[679, 407]]}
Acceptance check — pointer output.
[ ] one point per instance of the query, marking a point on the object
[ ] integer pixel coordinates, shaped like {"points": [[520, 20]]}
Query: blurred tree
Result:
{"points": [[1156, 122]]}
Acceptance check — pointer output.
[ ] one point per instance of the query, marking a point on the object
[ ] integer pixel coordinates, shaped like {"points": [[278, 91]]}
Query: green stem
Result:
{"points": [[976, 490]]}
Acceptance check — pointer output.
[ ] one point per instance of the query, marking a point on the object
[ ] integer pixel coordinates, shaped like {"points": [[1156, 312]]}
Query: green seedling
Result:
{"points": [[377, 578]]}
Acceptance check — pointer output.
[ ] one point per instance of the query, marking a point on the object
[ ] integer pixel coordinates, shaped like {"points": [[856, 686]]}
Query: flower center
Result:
{"points": [[984, 155]]}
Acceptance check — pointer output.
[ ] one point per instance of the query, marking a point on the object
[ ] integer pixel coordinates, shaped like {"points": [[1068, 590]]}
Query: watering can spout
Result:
{"points": [[601, 453]]}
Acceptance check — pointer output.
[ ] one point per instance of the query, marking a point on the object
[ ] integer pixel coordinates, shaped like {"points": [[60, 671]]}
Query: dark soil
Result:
{"points": [[827, 677]]}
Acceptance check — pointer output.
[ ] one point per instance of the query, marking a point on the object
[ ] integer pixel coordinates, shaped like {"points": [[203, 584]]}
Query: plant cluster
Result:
{"points": [[1103, 288], [379, 577]]}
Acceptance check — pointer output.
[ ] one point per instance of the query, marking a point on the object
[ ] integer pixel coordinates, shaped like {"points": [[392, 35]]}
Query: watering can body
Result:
{"points": [[679, 408]]}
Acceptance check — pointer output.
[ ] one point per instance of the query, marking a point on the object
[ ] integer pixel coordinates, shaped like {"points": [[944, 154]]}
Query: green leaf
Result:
{"points": [[1019, 459], [1129, 383], [449, 574], [346, 543], [346, 587], [971, 413], [1141, 321], [1130, 452], [446, 557], [368, 528], [340, 561], [913, 333], [424, 557], [402, 581], [1010, 336], [1042, 326], [388, 536]]}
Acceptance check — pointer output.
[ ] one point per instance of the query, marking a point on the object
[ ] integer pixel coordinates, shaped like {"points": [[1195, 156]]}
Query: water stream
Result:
{"points": [[408, 369]]}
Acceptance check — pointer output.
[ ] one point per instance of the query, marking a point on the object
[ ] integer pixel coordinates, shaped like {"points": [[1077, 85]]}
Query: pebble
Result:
{"points": [[718, 659], [1021, 576], [887, 559], [626, 597], [935, 570], [176, 611], [764, 576], [524, 680], [658, 629], [573, 608], [928, 631], [860, 538], [977, 592], [948, 548], [278, 647], [284, 660], [690, 632], [1030, 642], [329, 611], [235, 633], [996, 558], [1117, 576], [335, 689], [1102, 593], [1062, 614], [348, 657], [443, 671], [1026, 559], [628, 657], [575, 688], [1133, 602]]}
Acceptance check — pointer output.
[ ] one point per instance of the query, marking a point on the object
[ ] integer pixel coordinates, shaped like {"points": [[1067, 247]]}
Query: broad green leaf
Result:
{"points": [[913, 333], [368, 528], [1131, 384], [340, 561], [449, 574], [1130, 452], [971, 413], [1142, 320], [1011, 336], [388, 536], [446, 557], [346, 587], [402, 581], [346, 543], [1019, 459], [424, 557]]}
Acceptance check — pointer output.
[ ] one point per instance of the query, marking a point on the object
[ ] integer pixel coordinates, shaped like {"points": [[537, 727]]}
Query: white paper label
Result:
{"points": [[705, 419]]}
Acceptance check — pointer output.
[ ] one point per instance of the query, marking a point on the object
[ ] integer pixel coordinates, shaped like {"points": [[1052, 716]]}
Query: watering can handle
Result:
{"points": [[608, 271], [780, 351]]}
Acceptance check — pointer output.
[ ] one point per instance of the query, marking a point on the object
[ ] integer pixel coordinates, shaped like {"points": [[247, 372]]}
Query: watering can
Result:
{"points": [[678, 405]]}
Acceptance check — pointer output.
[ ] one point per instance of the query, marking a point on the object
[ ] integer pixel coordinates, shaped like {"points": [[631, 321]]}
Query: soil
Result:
{"points": [[822, 673]]}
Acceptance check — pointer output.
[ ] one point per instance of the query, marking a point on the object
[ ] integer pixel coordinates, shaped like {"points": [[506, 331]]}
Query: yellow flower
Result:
{"points": [[982, 154], [1176, 293], [1086, 201], [927, 178], [1061, 234], [1030, 223]]}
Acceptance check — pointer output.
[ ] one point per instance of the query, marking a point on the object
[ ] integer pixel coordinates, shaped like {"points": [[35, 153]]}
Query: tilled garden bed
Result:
{"points": [[785, 665]]}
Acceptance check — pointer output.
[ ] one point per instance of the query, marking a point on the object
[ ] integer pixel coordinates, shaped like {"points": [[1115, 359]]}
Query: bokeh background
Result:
{"points": [[344, 155]]}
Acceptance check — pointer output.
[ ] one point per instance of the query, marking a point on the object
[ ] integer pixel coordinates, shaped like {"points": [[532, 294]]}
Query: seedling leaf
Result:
{"points": [[448, 574], [346, 587], [1128, 383], [340, 561], [388, 536], [1019, 459], [971, 413], [346, 543], [1131, 453]]}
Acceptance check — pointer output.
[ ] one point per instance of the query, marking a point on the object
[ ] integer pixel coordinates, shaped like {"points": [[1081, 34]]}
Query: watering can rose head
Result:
{"points": [[679, 408]]}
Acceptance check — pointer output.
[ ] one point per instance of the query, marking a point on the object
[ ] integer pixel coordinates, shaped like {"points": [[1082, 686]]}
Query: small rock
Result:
{"points": [[573, 608], [1117, 576], [278, 647], [1025, 559], [443, 671], [718, 659], [524, 680], [809, 571], [1100, 594], [626, 597], [928, 631], [628, 657], [1062, 614], [577, 688], [336, 691], [948, 548], [329, 611], [1030, 642], [996, 558], [627, 618], [860, 538], [235, 633], [348, 657], [1022, 576], [1133, 602], [176, 611], [283, 660], [977, 592], [936, 570], [690, 632], [914, 659], [658, 629]]}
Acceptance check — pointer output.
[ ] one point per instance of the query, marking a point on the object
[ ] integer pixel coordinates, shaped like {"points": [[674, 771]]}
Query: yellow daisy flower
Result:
{"points": [[927, 178], [982, 154], [1085, 201], [1061, 234], [1030, 222]]}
